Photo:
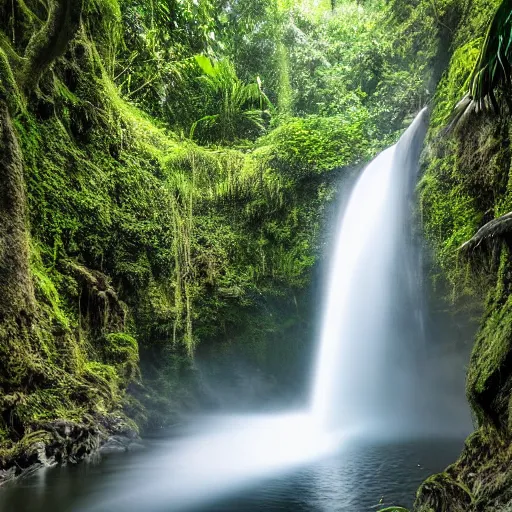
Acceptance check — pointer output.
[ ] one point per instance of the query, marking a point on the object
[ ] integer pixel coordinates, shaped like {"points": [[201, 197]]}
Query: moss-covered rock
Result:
{"points": [[466, 185]]}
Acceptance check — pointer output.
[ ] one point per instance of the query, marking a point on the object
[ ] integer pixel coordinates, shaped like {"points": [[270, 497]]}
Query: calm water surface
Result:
{"points": [[355, 479]]}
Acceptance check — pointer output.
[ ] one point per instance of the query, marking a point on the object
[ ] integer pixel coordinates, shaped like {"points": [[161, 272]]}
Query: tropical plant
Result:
{"points": [[155, 67], [492, 69], [236, 110]]}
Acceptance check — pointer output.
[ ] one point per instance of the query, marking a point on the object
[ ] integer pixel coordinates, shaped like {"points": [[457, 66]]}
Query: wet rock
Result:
{"points": [[117, 444], [67, 442], [113, 445], [7, 474], [72, 442], [60, 442]]}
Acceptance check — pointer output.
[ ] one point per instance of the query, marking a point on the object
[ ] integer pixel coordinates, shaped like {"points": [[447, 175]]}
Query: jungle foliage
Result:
{"points": [[167, 169]]}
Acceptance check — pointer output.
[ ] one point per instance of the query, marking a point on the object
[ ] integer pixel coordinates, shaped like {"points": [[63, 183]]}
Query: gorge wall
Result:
{"points": [[466, 184], [144, 218]]}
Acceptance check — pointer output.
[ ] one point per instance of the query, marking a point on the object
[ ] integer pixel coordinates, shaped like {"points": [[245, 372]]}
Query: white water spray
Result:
{"points": [[372, 304]]}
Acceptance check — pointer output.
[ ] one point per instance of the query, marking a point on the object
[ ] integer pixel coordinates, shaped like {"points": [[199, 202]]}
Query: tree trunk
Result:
{"points": [[52, 40], [16, 289], [495, 230]]}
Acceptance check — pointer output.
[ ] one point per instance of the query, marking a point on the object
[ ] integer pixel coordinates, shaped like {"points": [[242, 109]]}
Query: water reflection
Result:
{"points": [[228, 453], [353, 480]]}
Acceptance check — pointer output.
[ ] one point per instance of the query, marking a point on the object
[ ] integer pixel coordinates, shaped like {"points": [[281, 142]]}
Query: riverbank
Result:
{"points": [[64, 442]]}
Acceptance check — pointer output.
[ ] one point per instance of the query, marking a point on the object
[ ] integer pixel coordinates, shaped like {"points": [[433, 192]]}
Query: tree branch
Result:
{"points": [[496, 228], [438, 19], [51, 41]]}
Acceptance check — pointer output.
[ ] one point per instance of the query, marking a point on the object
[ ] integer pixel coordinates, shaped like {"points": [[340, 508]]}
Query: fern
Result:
{"points": [[239, 108]]}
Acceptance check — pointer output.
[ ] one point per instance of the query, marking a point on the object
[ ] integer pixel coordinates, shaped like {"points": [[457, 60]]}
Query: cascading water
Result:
{"points": [[371, 314], [372, 303]]}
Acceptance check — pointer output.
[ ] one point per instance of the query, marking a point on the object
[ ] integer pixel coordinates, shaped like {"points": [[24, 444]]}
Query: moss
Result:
{"points": [[50, 41], [465, 185], [9, 90], [479, 480], [11, 453], [46, 291], [450, 216], [141, 245], [455, 82], [490, 368], [122, 351], [301, 147], [105, 379], [47, 404], [442, 493], [14, 236]]}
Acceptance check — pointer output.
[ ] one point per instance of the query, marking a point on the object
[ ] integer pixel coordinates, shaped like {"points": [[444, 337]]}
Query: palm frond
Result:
{"points": [[235, 107], [492, 70]]}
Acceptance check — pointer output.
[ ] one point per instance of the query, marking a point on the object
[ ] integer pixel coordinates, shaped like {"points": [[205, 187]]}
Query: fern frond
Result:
{"points": [[236, 108]]}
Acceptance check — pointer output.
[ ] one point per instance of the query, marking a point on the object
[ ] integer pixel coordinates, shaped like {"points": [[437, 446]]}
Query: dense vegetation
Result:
{"points": [[166, 169]]}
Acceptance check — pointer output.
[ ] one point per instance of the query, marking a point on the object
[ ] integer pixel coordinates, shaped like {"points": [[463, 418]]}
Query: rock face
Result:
{"points": [[63, 442], [480, 481], [466, 197], [57, 442]]}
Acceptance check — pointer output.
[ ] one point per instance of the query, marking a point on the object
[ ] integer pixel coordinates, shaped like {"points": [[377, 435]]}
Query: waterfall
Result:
{"points": [[373, 308], [372, 317]]}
